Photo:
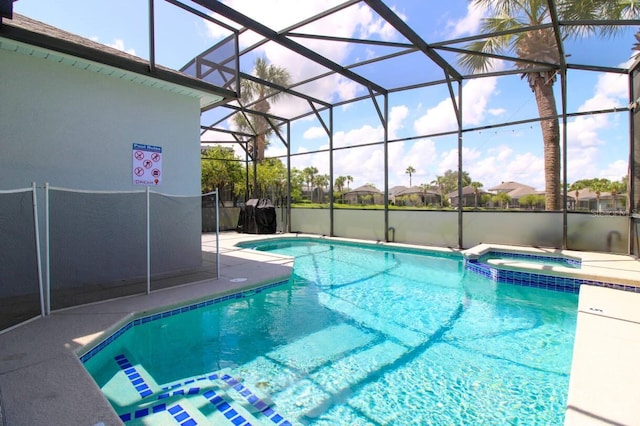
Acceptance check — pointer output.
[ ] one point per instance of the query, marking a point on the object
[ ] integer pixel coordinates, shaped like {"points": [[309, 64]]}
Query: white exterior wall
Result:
{"points": [[75, 128]]}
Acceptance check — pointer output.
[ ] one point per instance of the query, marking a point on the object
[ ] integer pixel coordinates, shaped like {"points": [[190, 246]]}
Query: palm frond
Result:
{"points": [[475, 61], [636, 45], [594, 10]]}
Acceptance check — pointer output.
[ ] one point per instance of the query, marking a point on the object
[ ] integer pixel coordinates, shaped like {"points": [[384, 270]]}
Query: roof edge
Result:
{"points": [[125, 63]]}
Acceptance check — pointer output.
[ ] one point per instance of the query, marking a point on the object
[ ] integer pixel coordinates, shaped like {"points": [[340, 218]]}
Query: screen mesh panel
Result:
{"points": [[98, 246], [19, 287]]}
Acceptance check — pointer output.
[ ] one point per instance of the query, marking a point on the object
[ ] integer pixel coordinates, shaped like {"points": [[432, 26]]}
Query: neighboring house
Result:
{"points": [[365, 194], [393, 192], [468, 197], [515, 191], [416, 197], [71, 111], [588, 200]]}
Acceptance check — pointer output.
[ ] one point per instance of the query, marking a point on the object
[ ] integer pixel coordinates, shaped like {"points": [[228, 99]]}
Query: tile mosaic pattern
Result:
{"points": [[134, 377], [190, 387], [529, 279], [181, 416], [254, 400]]}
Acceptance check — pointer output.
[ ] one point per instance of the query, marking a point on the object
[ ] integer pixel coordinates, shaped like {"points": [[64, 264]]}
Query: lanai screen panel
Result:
{"points": [[19, 288]]}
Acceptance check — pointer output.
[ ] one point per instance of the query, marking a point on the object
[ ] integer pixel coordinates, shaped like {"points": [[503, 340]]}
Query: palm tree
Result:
{"points": [[339, 183], [349, 180], [309, 174], [579, 185], [501, 198], [260, 96], [615, 188], [440, 183], [476, 190], [410, 170], [321, 181], [540, 46], [598, 186]]}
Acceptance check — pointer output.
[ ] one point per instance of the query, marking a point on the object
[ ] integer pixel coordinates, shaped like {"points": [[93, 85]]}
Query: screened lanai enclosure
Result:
{"points": [[541, 94], [466, 122]]}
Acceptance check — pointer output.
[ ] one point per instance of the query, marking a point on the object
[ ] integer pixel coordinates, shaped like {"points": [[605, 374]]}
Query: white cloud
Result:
{"points": [[442, 118], [366, 164], [611, 91], [354, 21], [585, 144], [420, 154], [314, 133], [469, 24], [396, 117], [495, 165], [117, 44], [616, 170]]}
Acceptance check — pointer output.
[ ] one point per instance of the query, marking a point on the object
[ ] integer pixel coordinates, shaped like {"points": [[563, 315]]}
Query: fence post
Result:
{"points": [[147, 192], [36, 230], [47, 247], [217, 237]]}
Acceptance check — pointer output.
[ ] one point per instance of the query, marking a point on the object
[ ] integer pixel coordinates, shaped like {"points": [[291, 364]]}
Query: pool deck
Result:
{"points": [[42, 381]]}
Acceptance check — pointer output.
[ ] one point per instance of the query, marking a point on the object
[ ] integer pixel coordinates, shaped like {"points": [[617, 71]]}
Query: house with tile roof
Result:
{"points": [[365, 194], [417, 196], [469, 197], [74, 115], [515, 191]]}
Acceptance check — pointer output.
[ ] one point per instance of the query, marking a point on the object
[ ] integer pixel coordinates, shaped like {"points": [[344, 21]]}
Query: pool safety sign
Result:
{"points": [[147, 164]]}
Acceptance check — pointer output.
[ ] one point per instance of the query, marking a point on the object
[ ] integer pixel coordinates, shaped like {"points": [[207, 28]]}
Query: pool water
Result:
{"points": [[357, 336]]}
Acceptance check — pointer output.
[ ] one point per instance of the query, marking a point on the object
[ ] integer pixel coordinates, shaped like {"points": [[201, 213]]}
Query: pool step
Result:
{"points": [[215, 398]]}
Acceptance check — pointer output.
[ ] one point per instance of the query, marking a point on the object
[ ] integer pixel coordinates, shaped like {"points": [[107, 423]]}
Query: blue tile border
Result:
{"points": [[153, 317], [529, 279]]}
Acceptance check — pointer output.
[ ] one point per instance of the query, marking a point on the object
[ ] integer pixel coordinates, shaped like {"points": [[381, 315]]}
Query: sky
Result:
{"points": [[597, 143]]}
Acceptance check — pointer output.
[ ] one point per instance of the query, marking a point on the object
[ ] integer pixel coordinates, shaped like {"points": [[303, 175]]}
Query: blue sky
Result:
{"points": [[598, 144]]}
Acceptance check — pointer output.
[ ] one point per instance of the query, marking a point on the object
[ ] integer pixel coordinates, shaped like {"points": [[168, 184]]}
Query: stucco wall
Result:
{"points": [[75, 129]]}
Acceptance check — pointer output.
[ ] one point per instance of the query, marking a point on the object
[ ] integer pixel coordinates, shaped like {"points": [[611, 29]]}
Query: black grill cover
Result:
{"points": [[257, 216]]}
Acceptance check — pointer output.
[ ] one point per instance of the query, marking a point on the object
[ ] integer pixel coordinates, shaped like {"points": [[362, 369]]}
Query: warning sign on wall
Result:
{"points": [[147, 164]]}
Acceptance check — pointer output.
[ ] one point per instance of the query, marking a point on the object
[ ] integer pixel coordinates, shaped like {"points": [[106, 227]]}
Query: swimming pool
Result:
{"points": [[359, 335]]}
